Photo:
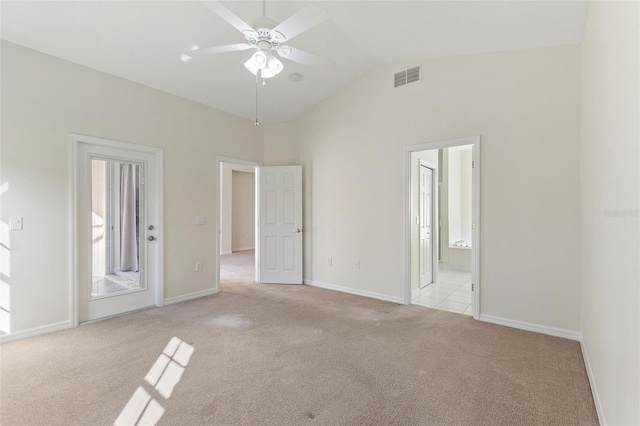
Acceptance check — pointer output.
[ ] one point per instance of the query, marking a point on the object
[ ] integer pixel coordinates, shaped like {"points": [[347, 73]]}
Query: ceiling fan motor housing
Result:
{"points": [[267, 36]]}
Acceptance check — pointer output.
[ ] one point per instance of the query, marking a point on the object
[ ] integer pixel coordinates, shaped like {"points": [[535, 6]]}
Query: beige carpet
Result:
{"points": [[295, 355]]}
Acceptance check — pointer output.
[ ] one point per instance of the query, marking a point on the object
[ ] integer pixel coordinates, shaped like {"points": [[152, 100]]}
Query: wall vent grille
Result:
{"points": [[408, 76]]}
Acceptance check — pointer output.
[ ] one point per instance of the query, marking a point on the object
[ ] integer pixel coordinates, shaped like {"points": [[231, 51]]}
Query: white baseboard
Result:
{"points": [[225, 252], [398, 300], [594, 389], [190, 296], [552, 331], [36, 331], [244, 248]]}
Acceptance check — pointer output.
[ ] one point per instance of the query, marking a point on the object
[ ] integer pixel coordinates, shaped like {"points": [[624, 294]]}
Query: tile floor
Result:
{"points": [[451, 293]]}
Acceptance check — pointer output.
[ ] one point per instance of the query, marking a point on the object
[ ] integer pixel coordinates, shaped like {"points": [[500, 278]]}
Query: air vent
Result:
{"points": [[407, 76]]}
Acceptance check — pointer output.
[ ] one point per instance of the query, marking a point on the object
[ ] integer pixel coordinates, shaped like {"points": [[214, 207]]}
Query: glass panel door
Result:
{"points": [[117, 215]]}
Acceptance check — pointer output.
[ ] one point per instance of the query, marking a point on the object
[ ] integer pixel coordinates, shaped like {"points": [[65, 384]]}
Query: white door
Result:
{"points": [[279, 236], [117, 230], [426, 222]]}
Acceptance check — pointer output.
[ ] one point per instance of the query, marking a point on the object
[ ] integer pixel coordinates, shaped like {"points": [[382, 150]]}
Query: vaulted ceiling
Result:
{"points": [[142, 41]]}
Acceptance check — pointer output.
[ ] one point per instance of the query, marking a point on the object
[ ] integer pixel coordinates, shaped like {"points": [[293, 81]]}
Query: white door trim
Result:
{"points": [[73, 264], [218, 199], [475, 213]]}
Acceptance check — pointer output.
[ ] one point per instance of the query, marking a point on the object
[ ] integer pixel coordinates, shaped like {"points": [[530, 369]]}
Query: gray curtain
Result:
{"points": [[128, 218]]}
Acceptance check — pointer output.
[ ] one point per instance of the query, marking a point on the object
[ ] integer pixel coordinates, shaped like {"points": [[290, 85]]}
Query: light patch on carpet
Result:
{"points": [[170, 378], [157, 370], [134, 409], [164, 375], [183, 354], [172, 347], [152, 414], [365, 313], [231, 321]]}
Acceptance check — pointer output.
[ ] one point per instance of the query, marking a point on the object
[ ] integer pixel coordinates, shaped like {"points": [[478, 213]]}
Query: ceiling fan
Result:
{"points": [[267, 37]]}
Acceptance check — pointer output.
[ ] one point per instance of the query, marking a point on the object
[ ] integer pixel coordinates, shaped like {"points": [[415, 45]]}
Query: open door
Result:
{"points": [[279, 224], [426, 224]]}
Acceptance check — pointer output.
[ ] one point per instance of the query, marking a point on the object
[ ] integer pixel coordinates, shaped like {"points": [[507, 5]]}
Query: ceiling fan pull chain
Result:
{"points": [[257, 123]]}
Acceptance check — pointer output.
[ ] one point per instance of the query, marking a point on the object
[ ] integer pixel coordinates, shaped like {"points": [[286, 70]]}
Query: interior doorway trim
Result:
{"points": [[158, 154], [475, 213], [218, 198]]}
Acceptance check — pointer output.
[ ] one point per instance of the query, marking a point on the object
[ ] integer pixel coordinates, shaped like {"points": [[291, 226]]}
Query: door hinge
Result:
{"points": [[473, 225], [472, 287], [473, 164]]}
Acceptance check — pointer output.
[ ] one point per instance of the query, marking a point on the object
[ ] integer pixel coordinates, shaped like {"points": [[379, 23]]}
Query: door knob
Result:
{"points": [[150, 228], [151, 238], [298, 230]]}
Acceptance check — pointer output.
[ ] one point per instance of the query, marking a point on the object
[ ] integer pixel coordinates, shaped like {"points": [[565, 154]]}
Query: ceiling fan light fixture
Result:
{"points": [[260, 59], [251, 66], [263, 61], [274, 65]]}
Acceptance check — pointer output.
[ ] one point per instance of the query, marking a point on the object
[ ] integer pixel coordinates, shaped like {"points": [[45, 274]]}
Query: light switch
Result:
{"points": [[15, 223], [199, 220]]}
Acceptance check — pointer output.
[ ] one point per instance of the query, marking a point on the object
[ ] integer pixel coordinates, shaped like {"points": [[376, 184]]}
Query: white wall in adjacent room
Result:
{"points": [[230, 235], [243, 207], [459, 194]]}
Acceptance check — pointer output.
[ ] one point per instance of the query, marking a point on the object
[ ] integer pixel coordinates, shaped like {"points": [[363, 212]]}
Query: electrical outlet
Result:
{"points": [[330, 262], [199, 220], [357, 264], [198, 266]]}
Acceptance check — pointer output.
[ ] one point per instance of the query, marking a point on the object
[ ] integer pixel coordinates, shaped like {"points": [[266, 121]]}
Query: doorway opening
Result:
{"points": [[442, 227], [237, 201], [277, 225]]}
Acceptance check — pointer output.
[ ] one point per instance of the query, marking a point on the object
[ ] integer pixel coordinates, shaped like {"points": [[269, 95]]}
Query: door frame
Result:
{"points": [[158, 209], [435, 217], [475, 213], [218, 207]]}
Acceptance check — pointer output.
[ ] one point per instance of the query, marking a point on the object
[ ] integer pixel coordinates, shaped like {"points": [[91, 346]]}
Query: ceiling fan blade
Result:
{"points": [[192, 53], [301, 21], [233, 19], [305, 58]]}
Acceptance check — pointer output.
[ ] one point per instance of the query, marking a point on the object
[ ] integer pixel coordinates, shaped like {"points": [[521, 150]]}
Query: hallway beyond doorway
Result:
{"points": [[237, 268]]}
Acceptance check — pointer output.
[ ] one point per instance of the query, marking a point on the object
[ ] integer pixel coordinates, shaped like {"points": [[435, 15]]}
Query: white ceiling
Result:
{"points": [[142, 41]]}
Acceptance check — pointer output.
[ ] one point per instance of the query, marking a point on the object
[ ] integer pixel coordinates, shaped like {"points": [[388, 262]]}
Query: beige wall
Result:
{"points": [[282, 142], [524, 104], [243, 206], [44, 100], [610, 159]]}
